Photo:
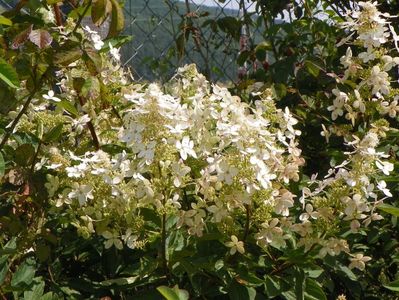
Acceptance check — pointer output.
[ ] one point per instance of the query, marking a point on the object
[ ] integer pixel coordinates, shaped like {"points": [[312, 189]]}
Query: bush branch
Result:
{"points": [[16, 120], [90, 125]]}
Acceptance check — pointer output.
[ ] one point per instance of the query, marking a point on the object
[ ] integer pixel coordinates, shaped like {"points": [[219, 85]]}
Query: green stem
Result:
{"points": [[197, 43], [90, 125], [286, 265], [266, 18], [16, 120], [163, 242], [247, 221], [82, 16], [32, 167], [163, 230]]}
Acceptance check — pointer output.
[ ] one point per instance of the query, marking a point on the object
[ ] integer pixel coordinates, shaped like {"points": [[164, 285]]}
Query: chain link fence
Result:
{"points": [[167, 34], [170, 33]]}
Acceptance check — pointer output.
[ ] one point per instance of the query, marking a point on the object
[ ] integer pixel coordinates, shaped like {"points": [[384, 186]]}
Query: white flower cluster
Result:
{"points": [[370, 25], [352, 190], [199, 153], [222, 150], [205, 160], [369, 70]]}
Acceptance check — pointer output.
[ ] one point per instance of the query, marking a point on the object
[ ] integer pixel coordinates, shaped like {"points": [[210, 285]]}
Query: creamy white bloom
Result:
{"points": [[284, 202], [114, 52], [235, 245], [338, 104], [51, 96], [77, 171], [186, 147], [78, 124], [226, 172], [390, 108], [95, 38], [112, 238], [309, 213], [382, 186], [179, 171], [379, 81], [81, 192], [359, 261], [385, 166]]}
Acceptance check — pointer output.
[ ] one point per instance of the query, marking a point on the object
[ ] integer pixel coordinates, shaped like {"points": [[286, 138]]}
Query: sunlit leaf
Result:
{"points": [[8, 74], [173, 294], [390, 209], [100, 10], [5, 21], [117, 19]]}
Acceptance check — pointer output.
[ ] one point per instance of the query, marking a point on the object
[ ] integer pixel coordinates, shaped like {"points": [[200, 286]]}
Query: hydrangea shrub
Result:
{"points": [[186, 184]]}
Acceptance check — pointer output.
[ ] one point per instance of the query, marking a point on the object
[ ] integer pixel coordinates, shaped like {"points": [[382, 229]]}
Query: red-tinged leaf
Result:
{"points": [[26, 190], [21, 38], [16, 177], [41, 38]]}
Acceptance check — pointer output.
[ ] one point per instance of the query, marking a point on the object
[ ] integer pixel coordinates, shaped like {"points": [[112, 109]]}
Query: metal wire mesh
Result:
{"points": [[156, 27]]}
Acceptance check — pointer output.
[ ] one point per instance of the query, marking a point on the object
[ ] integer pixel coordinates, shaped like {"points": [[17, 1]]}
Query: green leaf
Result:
{"points": [[90, 88], [299, 284], [36, 293], [260, 54], [24, 274], [92, 60], [10, 247], [42, 252], [312, 68], [173, 294], [68, 106], [265, 45], [117, 19], [249, 278], [116, 42], [99, 11], [49, 296], [230, 25], [237, 291], [2, 165], [347, 272], [180, 45], [393, 286], [120, 281], [67, 57], [3, 268], [261, 50], [53, 134], [243, 57], [273, 287], [314, 291], [280, 89], [24, 154], [5, 21], [78, 83], [8, 74], [314, 65], [390, 209], [112, 148]]}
